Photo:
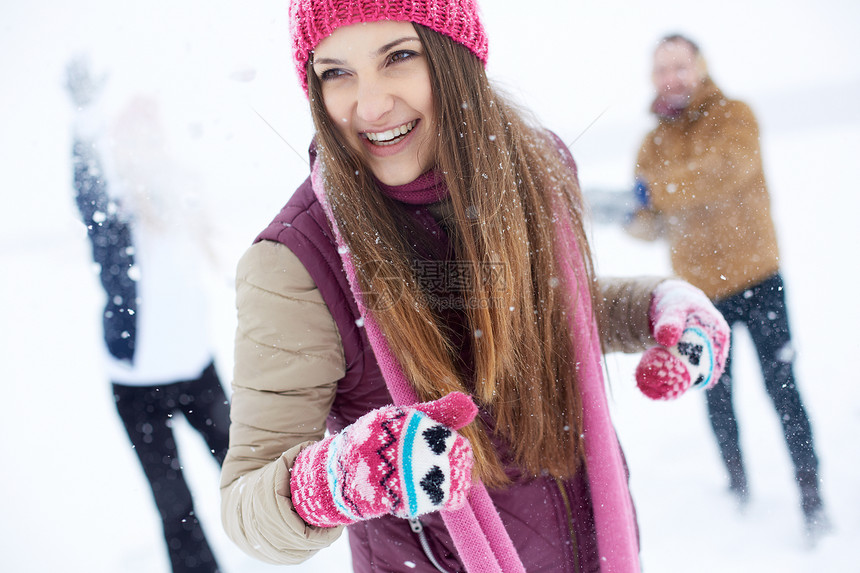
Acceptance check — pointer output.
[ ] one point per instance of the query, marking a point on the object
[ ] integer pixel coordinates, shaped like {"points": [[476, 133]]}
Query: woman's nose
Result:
{"points": [[373, 101]]}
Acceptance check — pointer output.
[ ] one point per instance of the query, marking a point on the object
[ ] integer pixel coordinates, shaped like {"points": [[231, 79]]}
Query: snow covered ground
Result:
{"points": [[74, 498]]}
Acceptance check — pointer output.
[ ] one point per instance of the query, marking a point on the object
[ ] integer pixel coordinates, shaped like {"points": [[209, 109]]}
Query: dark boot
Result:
{"points": [[816, 522], [738, 487], [737, 479]]}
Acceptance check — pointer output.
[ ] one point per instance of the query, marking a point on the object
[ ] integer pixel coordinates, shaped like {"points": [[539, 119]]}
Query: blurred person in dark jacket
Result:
{"points": [[140, 217]]}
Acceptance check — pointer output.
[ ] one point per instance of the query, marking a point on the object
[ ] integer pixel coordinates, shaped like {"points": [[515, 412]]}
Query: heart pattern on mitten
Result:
{"points": [[403, 461]]}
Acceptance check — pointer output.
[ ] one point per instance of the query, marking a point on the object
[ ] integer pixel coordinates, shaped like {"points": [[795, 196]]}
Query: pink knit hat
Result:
{"points": [[313, 20]]}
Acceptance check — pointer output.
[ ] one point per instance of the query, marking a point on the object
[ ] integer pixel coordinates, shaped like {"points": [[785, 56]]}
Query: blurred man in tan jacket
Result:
{"points": [[701, 186]]}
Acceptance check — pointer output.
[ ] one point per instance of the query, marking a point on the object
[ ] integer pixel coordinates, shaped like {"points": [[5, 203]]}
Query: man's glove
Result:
{"points": [[693, 342], [405, 461], [642, 194]]}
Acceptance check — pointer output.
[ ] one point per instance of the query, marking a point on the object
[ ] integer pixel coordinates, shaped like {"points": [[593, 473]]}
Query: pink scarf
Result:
{"points": [[476, 529]]}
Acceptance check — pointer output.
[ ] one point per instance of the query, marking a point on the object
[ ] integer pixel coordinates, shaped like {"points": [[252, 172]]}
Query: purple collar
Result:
{"points": [[428, 188]]}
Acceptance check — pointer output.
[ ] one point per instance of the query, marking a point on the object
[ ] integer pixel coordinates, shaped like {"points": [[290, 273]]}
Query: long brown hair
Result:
{"points": [[510, 187]]}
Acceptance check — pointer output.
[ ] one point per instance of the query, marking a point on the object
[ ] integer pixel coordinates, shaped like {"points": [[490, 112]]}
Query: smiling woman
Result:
{"points": [[427, 296]]}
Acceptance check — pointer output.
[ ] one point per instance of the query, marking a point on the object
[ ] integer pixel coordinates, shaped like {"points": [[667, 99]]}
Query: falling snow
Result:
{"points": [[102, 519]]}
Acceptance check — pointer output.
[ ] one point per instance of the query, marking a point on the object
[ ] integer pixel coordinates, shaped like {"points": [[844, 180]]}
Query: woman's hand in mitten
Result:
{"points": [[692, 338], [405, 461]]}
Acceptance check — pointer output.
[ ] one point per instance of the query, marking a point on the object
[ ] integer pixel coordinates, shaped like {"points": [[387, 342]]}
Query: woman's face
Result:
{"points": [[376, 89]]}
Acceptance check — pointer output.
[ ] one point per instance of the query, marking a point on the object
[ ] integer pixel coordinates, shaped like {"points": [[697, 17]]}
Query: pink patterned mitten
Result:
{"points": [[405, 461], [692, 338]]}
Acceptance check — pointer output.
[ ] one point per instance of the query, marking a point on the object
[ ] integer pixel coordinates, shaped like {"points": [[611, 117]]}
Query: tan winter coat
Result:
{"points": [[708, 195], [284, 385]]}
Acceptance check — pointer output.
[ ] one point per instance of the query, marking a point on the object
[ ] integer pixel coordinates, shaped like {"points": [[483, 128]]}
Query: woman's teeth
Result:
{"points": [[391, 136]]}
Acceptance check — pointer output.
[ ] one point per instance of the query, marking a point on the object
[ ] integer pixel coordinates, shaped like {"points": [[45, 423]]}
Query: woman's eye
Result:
{"points": [[331, 74], [401, 55]]}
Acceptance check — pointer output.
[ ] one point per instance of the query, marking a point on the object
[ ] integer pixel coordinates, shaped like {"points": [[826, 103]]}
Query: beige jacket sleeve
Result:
{"points": [[623, 306], [288, 359]]}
